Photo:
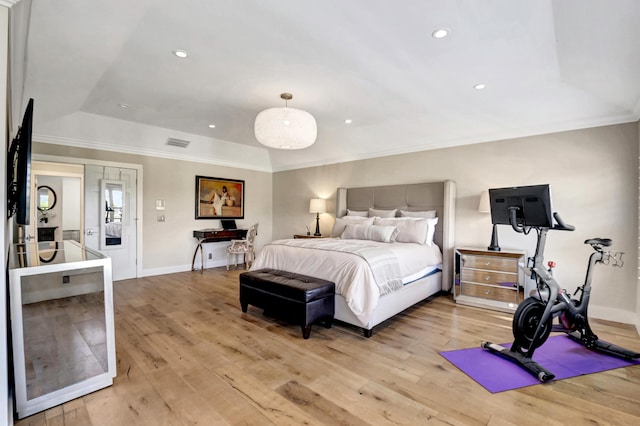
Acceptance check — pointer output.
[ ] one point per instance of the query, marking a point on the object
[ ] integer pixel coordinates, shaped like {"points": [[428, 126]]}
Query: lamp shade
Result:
{"points": [[285, 128], [485, 205], [317, 205]]}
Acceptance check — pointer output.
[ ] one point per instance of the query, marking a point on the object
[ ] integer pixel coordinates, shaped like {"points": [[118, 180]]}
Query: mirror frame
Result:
{"points": [[53, 193], [104, 183]]}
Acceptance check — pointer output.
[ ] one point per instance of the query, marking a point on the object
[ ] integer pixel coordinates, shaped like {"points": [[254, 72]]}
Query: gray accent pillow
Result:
{"points": [[425, 213], [383, 234], [411, 229], [341, 222], [357, 213], [382, 213]]}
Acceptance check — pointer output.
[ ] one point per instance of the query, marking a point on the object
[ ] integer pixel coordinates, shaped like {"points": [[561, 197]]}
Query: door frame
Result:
{"points": [[42, 170], [139, 198]]}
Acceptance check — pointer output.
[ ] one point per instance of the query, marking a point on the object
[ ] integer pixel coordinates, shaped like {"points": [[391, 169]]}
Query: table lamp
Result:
{"points": [[317, 206]]}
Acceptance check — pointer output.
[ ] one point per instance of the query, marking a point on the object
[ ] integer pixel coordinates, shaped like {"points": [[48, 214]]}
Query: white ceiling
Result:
{"points": [[548, 66]]}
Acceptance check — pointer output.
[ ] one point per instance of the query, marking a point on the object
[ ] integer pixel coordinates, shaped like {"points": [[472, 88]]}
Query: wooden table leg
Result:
{"points": [[195, 253]]}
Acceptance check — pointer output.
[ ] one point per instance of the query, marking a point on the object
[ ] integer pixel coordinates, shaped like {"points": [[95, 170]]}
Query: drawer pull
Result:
{"points": [[487, 263], [487, 277], [487, 292]]}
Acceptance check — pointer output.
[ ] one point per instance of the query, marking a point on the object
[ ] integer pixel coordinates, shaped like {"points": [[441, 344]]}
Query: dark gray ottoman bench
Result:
{"points": [[298, 299]]}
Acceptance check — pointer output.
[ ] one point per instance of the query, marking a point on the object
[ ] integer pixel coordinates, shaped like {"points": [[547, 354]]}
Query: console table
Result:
{"points": [[213, 235], [62, 323]]}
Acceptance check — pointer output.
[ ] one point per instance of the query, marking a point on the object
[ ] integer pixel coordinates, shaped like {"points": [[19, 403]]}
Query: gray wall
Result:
{"points": [[593, 175], [55, 215], [168, 246]]}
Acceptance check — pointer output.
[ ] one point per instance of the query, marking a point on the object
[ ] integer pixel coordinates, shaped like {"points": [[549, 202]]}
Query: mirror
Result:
{"points": [[69, 347], [112, 202], [46, 198]]}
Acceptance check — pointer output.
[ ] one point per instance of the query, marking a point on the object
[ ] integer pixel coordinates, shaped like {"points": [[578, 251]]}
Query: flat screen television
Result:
{"points": [[19, 170], [532, 205]]}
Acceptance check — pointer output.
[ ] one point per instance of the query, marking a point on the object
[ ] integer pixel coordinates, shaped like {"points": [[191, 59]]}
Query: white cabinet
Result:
{"points": [[61, 299]]}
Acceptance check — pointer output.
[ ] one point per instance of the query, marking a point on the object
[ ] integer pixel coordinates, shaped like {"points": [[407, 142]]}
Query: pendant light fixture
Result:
{"points": [[285, 128]]}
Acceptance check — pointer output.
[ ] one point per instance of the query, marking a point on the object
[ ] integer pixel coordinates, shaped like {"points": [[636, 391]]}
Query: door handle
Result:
{"points": [[89, 232]]}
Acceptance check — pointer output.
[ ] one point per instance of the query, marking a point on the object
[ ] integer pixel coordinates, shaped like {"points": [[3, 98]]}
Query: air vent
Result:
{"points": [[177, 142]]}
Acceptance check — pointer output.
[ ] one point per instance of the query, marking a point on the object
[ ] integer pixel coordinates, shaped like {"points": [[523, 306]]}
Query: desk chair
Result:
{"points": [[243, 247]]}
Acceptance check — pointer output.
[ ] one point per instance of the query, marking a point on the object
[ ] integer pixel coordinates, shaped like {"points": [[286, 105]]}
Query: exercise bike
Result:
{"points": [[533, 319]]}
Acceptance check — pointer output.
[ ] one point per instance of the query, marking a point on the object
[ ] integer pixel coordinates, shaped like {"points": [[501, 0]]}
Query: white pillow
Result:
{"points": [[383, 234], [357, 213], [424, 213], [431, 222], [411, 229], [341, 222], [382, 213]]}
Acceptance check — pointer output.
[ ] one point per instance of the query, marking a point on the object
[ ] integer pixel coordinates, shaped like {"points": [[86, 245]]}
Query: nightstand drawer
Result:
{"points": [[492, 263], [507, 294], [489, 277]]}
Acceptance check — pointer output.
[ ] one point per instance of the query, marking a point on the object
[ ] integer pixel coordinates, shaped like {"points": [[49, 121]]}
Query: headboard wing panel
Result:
{"points": [[439, 196]]}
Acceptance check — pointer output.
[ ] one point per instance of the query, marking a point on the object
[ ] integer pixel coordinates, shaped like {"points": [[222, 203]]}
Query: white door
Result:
{"points": [[64, 183], [117, 240]]}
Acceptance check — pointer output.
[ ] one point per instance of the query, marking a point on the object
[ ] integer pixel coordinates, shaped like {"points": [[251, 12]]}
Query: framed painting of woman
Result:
{"points": [[218, 198]]}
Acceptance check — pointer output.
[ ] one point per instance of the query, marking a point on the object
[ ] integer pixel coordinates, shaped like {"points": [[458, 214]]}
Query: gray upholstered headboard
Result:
{"points": [[439, 196]]}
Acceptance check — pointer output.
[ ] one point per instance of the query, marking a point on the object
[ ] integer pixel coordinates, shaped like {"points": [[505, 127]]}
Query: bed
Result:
{"points": [[363, 298], [113, 233]]}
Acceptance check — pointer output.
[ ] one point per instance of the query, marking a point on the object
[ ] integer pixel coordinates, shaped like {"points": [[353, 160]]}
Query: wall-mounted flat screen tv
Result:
{"points": [[19, 170]]}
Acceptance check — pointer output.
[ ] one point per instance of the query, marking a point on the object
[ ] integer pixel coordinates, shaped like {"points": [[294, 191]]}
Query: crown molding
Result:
{"points": [[80, 143], [575, 125], [514, 134], [8, 3]]}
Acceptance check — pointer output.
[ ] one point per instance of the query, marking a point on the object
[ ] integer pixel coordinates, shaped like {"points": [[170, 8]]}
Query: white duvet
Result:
{"points": [[113, 229], [352, 275]]}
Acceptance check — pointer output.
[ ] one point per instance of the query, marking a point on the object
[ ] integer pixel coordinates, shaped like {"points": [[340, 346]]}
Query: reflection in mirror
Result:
{"points": [[46, 198], [112, 200], [64, 330]]}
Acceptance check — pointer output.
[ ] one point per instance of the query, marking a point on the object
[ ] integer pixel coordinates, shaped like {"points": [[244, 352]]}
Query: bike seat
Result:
{"points": [[604, 242]]}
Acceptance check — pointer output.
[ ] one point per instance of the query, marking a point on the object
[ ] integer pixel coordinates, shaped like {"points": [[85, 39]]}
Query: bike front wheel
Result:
{"points": [[526, 321]]}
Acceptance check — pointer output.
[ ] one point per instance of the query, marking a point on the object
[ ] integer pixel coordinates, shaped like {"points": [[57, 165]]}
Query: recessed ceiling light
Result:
{"points": [[441, 33], [123, 105], [479, 86], [213, 126], [181, 53], [348, 121]]}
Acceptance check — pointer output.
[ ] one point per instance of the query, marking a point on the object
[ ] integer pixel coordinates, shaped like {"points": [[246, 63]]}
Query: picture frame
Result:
{"points": [[219, 198]]}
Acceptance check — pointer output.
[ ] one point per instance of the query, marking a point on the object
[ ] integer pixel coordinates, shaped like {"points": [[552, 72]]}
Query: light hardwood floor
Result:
{"points": [[187, 355]]}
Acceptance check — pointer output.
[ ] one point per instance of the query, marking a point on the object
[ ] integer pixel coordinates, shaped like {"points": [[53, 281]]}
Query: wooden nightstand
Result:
{"points": [[489, 279], [308, 236]]}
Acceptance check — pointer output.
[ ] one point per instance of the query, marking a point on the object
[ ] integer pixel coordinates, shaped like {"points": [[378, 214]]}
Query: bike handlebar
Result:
{"points": [[522, 228], [513, 220], [561, 226]]}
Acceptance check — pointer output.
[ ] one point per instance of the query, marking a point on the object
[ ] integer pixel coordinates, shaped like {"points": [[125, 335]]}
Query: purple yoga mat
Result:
{"points": [[560, 355]]}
